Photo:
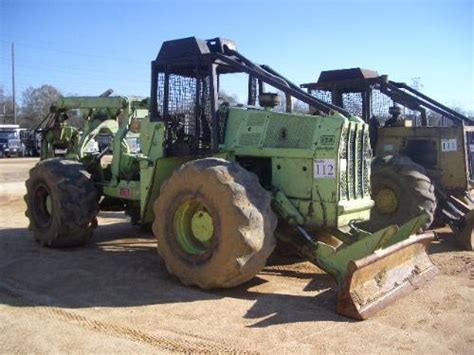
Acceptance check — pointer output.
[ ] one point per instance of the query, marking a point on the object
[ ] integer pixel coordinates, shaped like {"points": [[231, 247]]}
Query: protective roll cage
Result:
{"points": [[357, 80], [412, 97], [185, 87]]}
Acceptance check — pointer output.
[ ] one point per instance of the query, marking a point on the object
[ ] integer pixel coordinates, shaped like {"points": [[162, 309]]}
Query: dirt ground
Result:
{"points": [[115, 296]]}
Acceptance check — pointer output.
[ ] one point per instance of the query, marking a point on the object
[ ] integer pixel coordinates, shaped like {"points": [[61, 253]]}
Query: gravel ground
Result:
{"points": [[115, 296]]}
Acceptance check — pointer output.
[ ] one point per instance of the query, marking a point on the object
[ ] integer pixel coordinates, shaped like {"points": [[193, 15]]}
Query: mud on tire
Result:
{"points": [[62, 203], [410, 184], [238, 238]]}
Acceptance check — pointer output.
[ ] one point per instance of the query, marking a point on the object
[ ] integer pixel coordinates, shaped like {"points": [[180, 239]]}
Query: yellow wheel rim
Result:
{"points": [[194, 227], [386, 201]]}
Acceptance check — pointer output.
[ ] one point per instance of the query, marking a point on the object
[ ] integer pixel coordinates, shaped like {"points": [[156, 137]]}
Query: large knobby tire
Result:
{"points": [[401, 190], [62, 203], [214, 224]]}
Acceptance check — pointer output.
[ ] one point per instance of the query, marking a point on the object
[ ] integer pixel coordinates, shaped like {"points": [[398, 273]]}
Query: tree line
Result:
{"points": [[32, 108], [36, 102]]}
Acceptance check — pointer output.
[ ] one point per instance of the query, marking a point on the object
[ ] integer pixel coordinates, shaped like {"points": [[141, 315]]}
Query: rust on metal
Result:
{"points": [[374, 282]]}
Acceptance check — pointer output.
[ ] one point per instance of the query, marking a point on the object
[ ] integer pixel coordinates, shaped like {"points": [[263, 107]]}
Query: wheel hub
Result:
{"points": [[386, 201], [194, 227], [201, 226]]}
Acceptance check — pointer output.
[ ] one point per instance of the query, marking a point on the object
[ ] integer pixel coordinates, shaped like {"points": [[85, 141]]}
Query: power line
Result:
{"points": [[71, 73], [75, 53], [67, 69], [64, 74]]}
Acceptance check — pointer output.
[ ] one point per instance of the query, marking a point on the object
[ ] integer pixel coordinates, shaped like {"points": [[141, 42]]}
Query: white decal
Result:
{"points": [[449, 145], [471, 148], [388, 147], [325, 168]]}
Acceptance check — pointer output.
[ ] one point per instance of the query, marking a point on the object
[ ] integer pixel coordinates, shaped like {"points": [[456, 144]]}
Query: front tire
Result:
{"points": [[401, 190], [62, 203], [214, 224]]}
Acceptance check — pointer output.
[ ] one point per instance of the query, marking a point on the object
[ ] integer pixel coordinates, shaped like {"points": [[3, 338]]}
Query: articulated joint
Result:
{"points": [[286, 209]]}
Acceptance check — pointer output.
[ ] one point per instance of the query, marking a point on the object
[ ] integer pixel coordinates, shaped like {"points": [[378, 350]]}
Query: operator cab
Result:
{"points": [[188, 81]]}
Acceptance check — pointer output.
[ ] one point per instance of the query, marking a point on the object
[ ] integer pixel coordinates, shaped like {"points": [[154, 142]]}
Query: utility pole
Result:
{"points": [[13, 83]]}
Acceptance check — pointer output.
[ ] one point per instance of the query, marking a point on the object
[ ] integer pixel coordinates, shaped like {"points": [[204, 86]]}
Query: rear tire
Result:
{"points": [[62, 203], [401, 190], [233, 243]]}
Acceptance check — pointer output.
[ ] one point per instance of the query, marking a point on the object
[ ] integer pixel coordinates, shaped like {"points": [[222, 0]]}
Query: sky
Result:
{"points": [[85, 47]]}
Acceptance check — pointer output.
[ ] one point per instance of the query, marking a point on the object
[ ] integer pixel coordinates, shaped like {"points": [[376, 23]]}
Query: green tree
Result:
{"points": [[36, 104], [6, 108], [230, 99]]}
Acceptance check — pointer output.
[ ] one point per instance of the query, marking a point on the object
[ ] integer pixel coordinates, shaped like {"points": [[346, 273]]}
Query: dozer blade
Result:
{"points": [[372, 270], [379, 279]]}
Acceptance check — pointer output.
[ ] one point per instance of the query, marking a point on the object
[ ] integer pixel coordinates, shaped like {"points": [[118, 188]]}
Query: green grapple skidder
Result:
{"points": [[220, 184], [100, 114]]}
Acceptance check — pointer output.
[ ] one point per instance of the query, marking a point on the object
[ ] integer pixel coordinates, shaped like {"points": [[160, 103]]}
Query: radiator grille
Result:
{"points": [[343, 176], [355, 181], [366, 160], [351, 164]]}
